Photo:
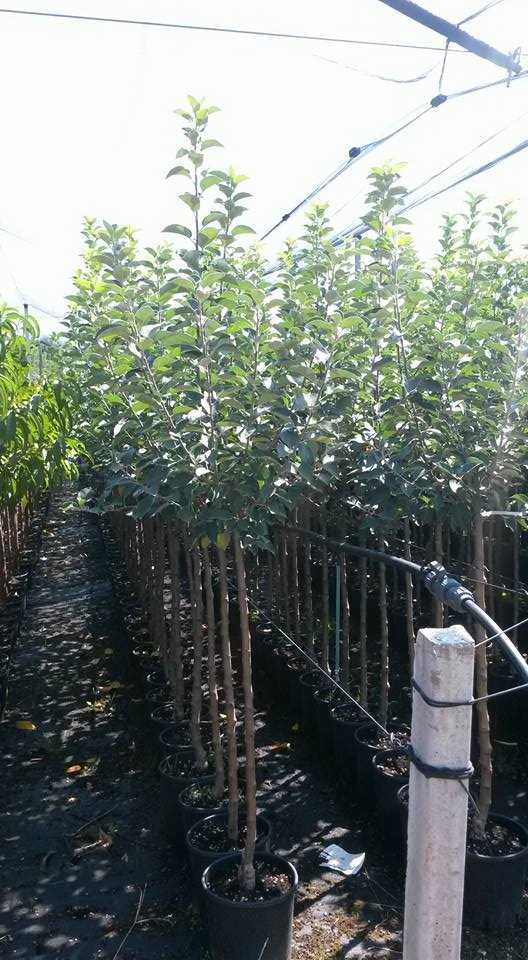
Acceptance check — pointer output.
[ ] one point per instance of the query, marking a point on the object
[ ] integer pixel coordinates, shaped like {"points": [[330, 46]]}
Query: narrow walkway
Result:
{"points": [[67, 886]]}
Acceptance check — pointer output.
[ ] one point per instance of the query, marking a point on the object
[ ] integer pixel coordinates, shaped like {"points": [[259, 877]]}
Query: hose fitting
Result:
{"points": [[444, 587]]}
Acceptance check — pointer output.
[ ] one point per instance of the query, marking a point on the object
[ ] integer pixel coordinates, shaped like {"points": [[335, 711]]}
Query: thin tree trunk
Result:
{"points": [[232, 758], [481, 664], [285, 593], [307, 577], [295, 585], [269, 583], [176, 650], [384, 639], [438, 607], [159, 584], [247, 868], [325, 598], [196, 697], [363, 624], [219, 784], [345, 626], [409, 614], [491, 568], [516, 552]]}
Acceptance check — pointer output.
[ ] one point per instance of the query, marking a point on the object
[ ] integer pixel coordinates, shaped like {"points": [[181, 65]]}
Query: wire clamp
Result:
{"points": [[354, 152], [431, 772], [438, 100]]}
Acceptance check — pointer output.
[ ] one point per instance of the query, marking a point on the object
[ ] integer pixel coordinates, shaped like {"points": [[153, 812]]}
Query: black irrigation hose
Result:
{"points": [[441, 585]]}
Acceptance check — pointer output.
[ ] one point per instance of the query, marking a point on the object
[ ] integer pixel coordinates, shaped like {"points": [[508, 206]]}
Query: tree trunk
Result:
{"points": [[516, 552], [345, 626], [232, 758], [292, 549], [247, 869], [491, 568], [196, 697], [409, 615], [219, 784], [363, 599], [384, 639], [158, 595], [307, 577], [285, 593], [438, 607], [481, 686], [325, 598], [269, 584], [176, 649]]}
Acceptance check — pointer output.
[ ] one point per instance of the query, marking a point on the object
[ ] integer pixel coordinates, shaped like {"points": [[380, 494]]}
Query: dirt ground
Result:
{"points": [[85, 871]]}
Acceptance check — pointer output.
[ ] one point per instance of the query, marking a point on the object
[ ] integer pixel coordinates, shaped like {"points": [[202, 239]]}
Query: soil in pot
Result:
{"points": [[495, 874], [369, 740], [197, 800], [207, 840], [243, 925]]}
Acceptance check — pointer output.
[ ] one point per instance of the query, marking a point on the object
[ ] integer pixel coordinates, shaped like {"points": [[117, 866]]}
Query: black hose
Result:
{"points": [[441, 585]]}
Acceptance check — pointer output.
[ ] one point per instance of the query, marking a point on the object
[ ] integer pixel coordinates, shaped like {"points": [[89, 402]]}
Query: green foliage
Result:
{"points": [[209, 391], [36, 445]]}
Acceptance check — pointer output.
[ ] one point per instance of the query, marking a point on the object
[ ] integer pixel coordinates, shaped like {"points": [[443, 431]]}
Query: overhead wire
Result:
{"points": [[377, 76], [356, 153], [236, 31]]}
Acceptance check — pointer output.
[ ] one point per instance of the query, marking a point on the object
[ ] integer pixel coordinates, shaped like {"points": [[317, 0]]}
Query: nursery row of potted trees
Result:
{"points": [[36, 442], [225, 407]]}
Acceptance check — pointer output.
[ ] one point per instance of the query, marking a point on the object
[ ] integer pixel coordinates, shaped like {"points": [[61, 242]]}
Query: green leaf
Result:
{"points": [[179, 229]]}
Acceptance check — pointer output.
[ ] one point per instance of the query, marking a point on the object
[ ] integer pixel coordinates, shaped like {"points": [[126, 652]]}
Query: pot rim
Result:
{"points": [[191, 806], [163, 764], [261, 905], [507, 857], [221, 815], [398, 751]]}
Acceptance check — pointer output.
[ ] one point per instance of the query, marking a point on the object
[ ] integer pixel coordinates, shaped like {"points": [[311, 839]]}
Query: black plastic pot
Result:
{"points": [[243, 931], [171, 785], [386, 787], [494, 885], [178, 735], [200, 858], [403, 808], [293, 687], [325, 699], [307, 686], [343, 729], [189, 814], [364, 770]]}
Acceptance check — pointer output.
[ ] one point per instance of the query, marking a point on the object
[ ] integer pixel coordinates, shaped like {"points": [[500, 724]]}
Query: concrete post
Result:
{"points": [[436, 849]]}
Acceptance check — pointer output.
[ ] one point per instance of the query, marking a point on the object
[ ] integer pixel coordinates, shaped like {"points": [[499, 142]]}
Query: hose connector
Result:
{"points": [[445, 588]]}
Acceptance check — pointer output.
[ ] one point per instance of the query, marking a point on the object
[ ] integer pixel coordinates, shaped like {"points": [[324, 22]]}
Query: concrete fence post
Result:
{"points": [[436, 847]]}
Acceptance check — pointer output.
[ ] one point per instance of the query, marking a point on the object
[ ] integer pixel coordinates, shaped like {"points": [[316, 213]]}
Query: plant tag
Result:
{"points": [[335, 858]]}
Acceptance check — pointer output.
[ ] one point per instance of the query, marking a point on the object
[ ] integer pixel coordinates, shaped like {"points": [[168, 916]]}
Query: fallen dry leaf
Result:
{"points": [[25, 725]]}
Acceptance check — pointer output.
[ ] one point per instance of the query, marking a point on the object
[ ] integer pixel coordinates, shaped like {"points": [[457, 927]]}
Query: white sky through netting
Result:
{"points": [[88, 124]]}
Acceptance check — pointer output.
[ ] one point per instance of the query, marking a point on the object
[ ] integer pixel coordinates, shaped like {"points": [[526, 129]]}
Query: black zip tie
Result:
{"points": [[431, 772], [464, 703]]}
